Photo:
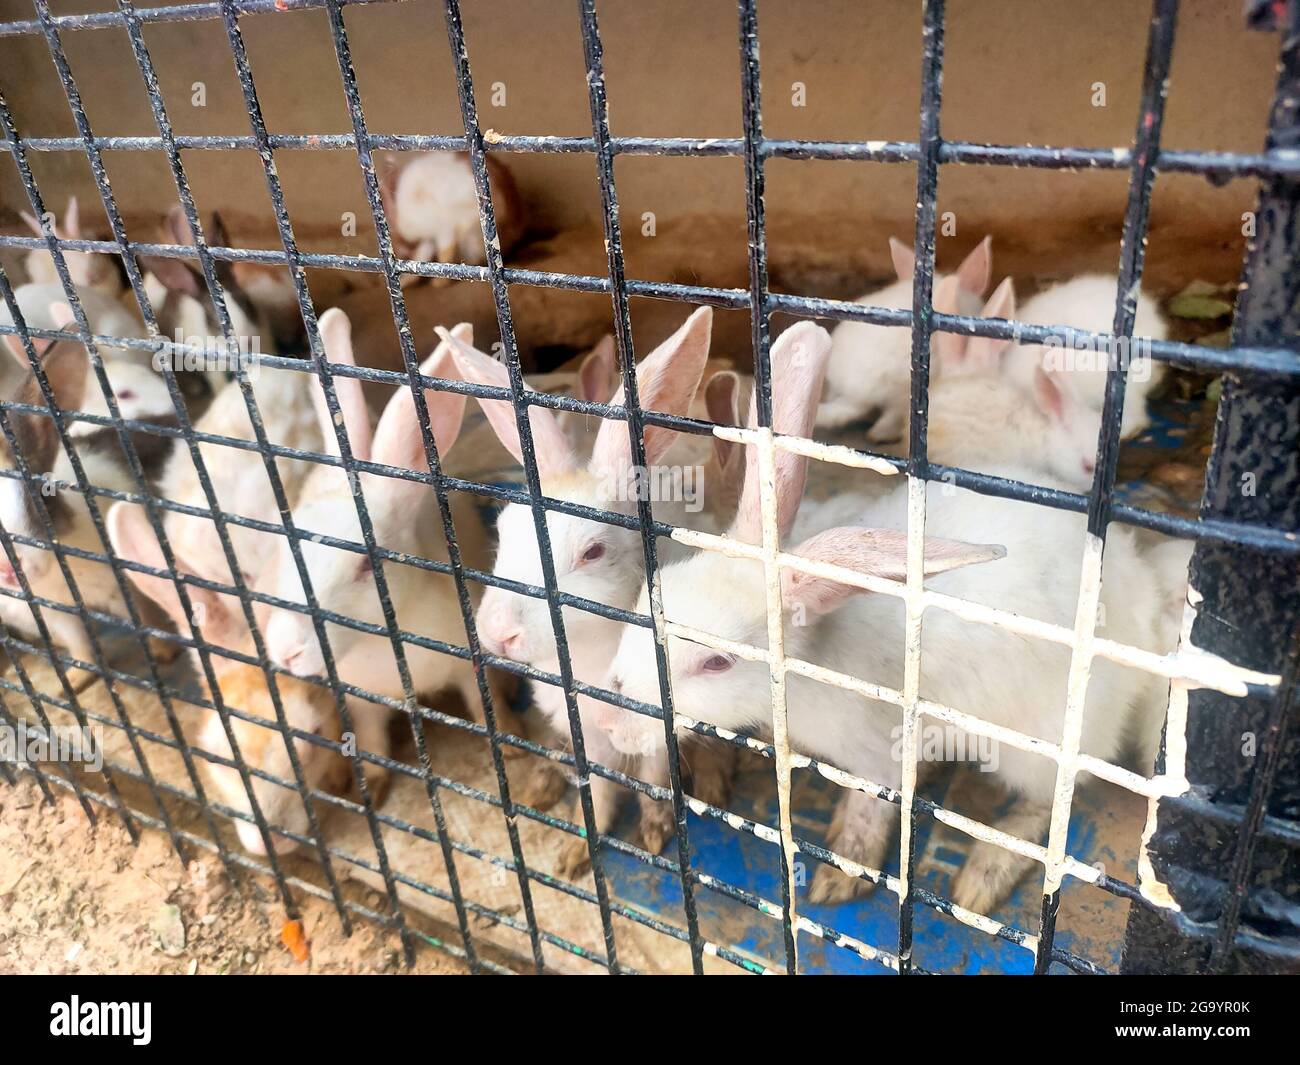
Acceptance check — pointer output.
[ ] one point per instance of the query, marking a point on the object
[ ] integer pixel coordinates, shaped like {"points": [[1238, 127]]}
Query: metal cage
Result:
{"points": [[1214, 830]]}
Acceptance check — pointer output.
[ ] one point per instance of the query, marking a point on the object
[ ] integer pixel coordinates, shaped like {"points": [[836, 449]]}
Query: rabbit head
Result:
{"points": [[87, 269], [245, 691], [66, 365], [184, 302], [726, 596], [342, 580], [594, 560]]}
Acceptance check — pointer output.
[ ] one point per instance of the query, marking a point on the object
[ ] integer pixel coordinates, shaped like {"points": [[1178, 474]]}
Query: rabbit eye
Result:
{"points": [[594, 551], [718, 664], [365, 566]]}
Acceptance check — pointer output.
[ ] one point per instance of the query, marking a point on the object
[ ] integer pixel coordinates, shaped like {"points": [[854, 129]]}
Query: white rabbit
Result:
{"points": [[834, 626], [184, 308], [432, 207], [1088, 302], [870, 367], [288, 403], [141, 394], [405, 519], [309, 708], [270, 290], [981, 419], [723, 397], [88, 270], [43, 308], [593, 560], [66, 367]]}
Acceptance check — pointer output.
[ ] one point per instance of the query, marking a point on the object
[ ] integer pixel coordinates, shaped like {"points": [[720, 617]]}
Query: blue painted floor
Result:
{"points": [[941, 944]]}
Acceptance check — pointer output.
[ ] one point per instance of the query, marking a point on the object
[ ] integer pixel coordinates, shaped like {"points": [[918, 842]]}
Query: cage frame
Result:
{"points": [[1261, 358]]}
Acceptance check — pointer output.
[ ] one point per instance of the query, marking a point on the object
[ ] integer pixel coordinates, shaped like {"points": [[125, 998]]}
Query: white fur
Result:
{"points": [[1088, 302], [95, 581], [982, 670], [88, 270], [106, 316], [141, 393], [519, 627], [870, 367], [983, 423], [405, 519], [288, 402], [433, 208]]}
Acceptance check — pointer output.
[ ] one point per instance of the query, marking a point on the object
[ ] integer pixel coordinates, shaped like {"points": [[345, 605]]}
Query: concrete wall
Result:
{"points": [[1017, 71]]}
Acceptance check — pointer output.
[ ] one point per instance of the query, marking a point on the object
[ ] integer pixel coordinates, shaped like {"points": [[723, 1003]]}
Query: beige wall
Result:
{"points": [[1017, 71]]}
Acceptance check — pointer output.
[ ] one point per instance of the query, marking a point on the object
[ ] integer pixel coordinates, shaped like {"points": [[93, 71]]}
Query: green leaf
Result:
{"points": [[1220, 339], [1187, 305]]}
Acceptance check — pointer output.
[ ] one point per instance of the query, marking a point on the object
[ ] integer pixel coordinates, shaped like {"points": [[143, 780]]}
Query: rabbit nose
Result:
{"points": [[616, 684], [506, 643], [297, 660], [252, 840]]}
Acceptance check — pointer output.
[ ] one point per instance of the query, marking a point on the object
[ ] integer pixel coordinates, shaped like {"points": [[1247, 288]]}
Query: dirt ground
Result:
{"points": [[77, 898]]}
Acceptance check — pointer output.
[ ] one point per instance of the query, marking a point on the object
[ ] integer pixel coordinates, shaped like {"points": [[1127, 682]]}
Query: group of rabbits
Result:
{"points": [[995, 406], [993, 399]]}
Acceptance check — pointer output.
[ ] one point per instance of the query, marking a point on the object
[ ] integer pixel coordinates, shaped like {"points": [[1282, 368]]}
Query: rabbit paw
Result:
{"points": [[657, 825], [713, 765], [542, 786], [829, 886], [573, 858], [987, 878]]}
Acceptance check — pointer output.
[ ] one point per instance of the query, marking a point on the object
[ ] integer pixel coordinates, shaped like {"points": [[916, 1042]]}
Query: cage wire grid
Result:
{"points": [[1188, 668]]}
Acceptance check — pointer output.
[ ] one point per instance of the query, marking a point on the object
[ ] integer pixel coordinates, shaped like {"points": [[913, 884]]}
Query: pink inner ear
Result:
{"points": [[596, 375], [667, 380], [904, 259], [336, 340], [875, 552], [1048, 393], [977, 268], [798, 361], [554, 453]]}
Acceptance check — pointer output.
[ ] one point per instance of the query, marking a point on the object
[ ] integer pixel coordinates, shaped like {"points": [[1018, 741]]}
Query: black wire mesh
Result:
{"points": [[1263, 353]]}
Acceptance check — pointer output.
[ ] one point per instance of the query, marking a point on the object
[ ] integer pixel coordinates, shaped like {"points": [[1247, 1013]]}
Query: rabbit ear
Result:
{"points": [[387, 172], [33, 223], [133, 538], [177, 227], [65, 362], [553, 450], [949, 348], [72, 220], [798, 361], [66, 367], [722, 402], [1049, 395], [598, 374], [175, 275], [398, 439], [666, 381], [874, 552], [336, 340], [60, 316], [976, 270], [984, 354], [904, 259]]}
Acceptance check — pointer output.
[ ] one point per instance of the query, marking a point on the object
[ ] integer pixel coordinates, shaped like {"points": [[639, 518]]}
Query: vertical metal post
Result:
{"points": [[1228, 875]]}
